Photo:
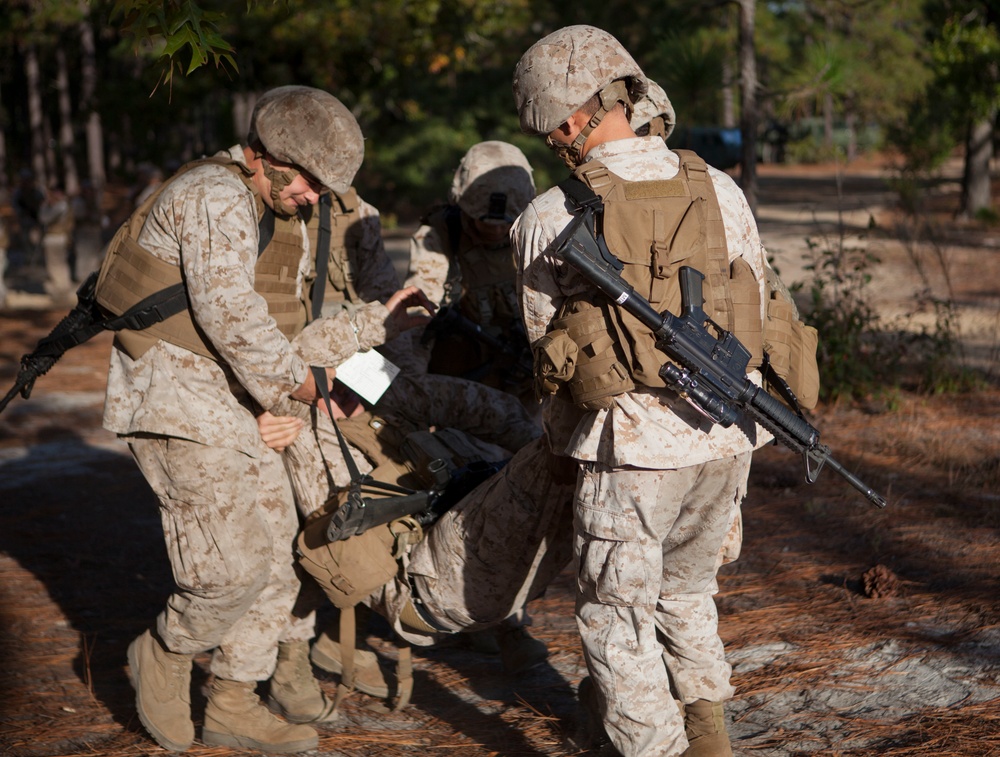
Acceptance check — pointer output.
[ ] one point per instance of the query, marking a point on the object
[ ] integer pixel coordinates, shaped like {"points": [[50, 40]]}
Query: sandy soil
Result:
{"points": [[851, 631]]}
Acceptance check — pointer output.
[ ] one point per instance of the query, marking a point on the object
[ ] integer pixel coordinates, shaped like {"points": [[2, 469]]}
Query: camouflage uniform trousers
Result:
{"points": [[229, 523], [490, 554], [649, 543]]}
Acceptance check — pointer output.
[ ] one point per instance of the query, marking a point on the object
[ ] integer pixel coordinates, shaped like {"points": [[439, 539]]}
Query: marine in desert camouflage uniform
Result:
{"points": [[359, 270], [658, 485], [188, 415], [461, 258]]}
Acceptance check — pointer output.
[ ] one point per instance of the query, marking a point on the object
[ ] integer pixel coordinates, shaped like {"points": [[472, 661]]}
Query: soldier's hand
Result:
{"points": [[278, 431], [343, 402], [401, 301], [308, 391]]}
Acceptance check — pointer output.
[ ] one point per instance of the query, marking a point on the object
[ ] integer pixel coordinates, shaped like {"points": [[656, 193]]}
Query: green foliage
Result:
{"points": [[861, 355], [851, 358], [689, 66], [967, 57], [173, 27]]}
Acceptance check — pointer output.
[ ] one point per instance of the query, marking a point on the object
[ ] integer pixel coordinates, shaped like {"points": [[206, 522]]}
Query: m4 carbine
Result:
{"points": [[710, 371]]}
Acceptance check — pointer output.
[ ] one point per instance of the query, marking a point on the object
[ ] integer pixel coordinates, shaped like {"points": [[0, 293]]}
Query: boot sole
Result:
{"points": [[213, 738], [156, 733], [332, 665]]}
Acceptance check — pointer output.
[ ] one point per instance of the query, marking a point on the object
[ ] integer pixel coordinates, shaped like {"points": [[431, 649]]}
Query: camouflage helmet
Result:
{"points": [[310, 129], [493, 182], [655, 105], [561, 72]]}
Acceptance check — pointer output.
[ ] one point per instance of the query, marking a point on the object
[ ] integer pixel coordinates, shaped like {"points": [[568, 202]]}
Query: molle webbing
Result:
{"points": [[130, 273]]}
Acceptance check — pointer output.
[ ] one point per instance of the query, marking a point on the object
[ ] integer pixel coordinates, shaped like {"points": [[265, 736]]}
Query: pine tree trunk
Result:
{"points": [[88, 107], [35, 117], [66, 141], [976, 194], [4, 182], [728, 96], [748, 89]]}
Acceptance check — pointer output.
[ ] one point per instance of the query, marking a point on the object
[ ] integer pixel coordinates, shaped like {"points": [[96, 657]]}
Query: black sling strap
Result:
{"points": [[322, 254]]}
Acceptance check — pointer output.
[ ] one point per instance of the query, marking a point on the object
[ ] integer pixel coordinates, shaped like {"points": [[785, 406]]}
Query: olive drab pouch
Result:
{"points": [[555, 357], [791, 348]]}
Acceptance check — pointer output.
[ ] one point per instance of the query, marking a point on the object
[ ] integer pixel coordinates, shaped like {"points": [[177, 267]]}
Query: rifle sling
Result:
{"points": [[357, 479], [322, 255]]}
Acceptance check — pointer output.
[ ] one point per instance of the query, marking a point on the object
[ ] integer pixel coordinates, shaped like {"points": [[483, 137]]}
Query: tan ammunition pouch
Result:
{"points": [[130, 273], [791, 346], [654, 228]]}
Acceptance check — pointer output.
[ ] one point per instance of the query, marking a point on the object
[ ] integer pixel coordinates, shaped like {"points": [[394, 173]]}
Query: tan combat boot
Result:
{"points": [[295, 692], [368, 674], [705, 726], [236, 718], [162, 683]]}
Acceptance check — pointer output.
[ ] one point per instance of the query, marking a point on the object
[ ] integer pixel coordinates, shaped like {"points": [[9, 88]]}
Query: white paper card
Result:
{"points": [[367, 373]]}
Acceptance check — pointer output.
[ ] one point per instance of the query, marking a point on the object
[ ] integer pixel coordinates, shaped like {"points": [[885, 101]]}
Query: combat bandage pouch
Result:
{"points": [[791, 346]]}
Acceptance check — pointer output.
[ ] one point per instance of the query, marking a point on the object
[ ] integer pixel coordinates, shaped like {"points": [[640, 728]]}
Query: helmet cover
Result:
{"points": [[493, 182], [310, 129], [561, 72], [655, 104]]}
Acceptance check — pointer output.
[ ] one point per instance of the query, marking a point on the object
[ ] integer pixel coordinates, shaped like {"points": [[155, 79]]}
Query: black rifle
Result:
{"points": [[79, 325], [87, 320], [360, 512], [710, 371]]}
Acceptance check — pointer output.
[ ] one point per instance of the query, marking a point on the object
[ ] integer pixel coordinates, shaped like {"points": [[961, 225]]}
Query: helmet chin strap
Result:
{"points": [[572, 154], [279, 180]]}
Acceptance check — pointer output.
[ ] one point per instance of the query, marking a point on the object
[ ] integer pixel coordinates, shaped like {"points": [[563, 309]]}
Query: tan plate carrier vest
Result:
{"points": [[131, 273], [653, 228]]}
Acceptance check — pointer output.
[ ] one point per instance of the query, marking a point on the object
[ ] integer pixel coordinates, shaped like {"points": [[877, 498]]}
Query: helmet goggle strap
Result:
{"points": [[572, 154]]}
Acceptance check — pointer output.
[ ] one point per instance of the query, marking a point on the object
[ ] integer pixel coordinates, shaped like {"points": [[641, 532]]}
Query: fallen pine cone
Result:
{"points": [[880, 582]]}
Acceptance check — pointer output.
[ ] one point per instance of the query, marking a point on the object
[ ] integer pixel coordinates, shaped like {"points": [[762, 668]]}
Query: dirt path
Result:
{"points": [[851, 631]]}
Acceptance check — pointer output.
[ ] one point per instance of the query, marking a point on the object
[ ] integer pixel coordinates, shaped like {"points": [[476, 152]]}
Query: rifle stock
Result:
{"points": [[710, 371]]}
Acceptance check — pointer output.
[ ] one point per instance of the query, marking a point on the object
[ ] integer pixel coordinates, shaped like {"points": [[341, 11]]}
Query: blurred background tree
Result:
{"points": [[93, 90]]}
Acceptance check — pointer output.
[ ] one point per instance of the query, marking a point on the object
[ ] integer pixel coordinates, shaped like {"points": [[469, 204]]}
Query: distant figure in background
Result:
{"points": [[148, 181], [56, 218], [90, 225], [27, 202]]}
